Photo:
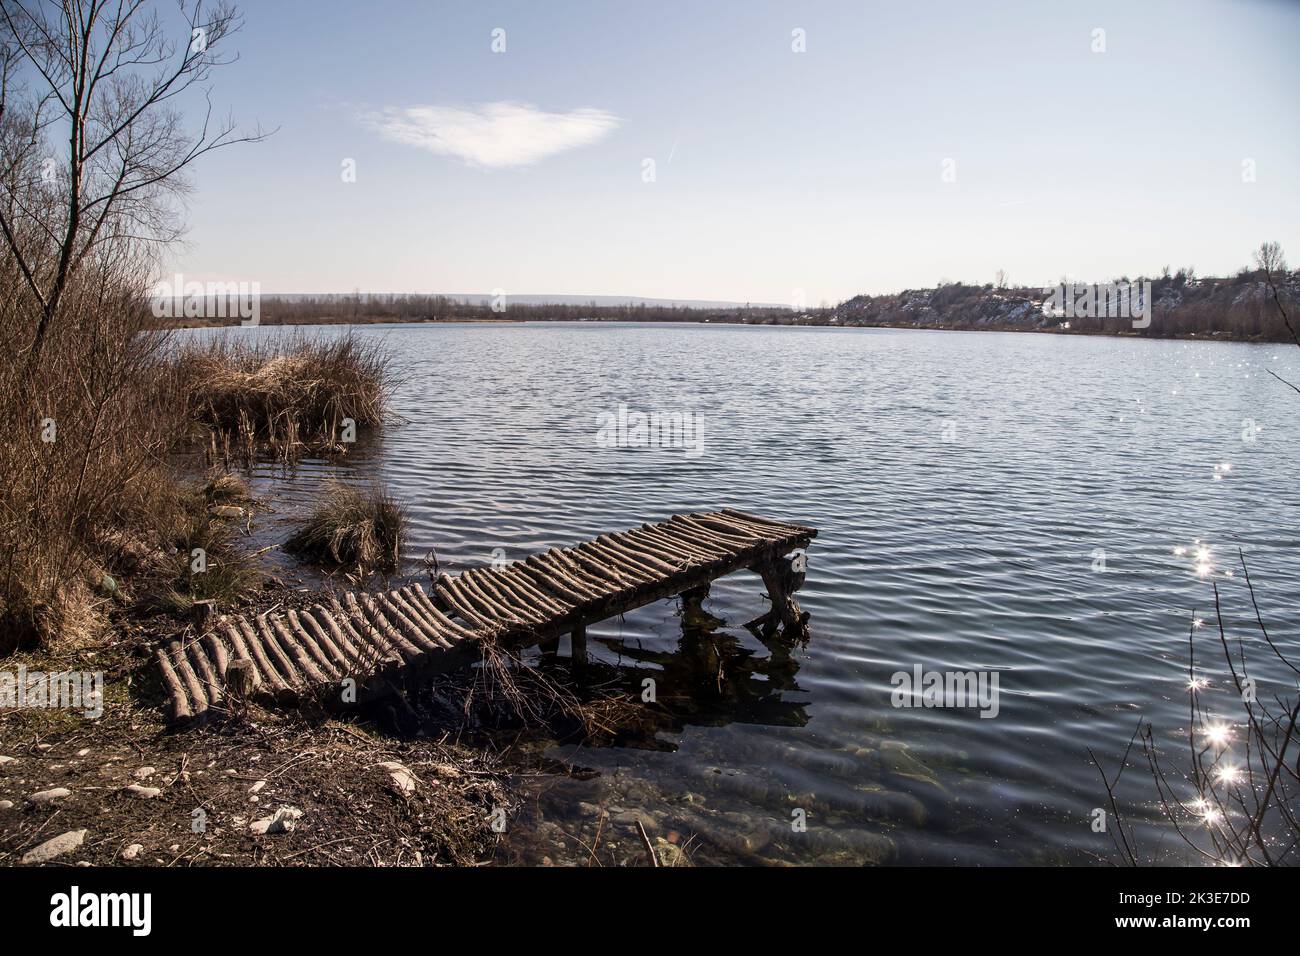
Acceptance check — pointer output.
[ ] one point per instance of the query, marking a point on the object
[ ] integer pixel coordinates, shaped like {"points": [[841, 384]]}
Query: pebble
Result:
{"points": [[144, 793], [282, 821], [131, 852], [5, 760], [255, 788], [56, 846], [401, 777], [48, 796], [83, 751], [6, 804], [143, 773]]}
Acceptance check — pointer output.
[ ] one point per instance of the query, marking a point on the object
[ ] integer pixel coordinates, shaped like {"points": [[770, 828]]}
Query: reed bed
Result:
{"points": [[289, 396]]}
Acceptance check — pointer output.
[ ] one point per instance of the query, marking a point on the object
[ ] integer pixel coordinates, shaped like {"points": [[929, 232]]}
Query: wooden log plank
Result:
{"points": [[448, 590], [450, 627], [552, 604], [217, 653], [370, 613], [198, 659], [297, 651], [180, 700], [403, 621], [275, 653], [511, 604], [552, 583], [198, 699], [303, 637], [428, 627], [688, 552], [268, 675], [343, 663], [562, 579], [713, 552]]}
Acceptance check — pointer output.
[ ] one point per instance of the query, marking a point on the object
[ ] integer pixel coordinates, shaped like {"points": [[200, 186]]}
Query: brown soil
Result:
{"points": [[353, 813]]}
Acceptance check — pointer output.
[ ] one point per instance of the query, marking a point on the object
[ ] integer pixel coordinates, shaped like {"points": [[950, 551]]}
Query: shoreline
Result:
{"points": [[482, 320]]}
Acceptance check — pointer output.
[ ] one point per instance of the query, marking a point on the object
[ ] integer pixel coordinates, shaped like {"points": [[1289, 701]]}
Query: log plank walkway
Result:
{"points": [[361, 642]]}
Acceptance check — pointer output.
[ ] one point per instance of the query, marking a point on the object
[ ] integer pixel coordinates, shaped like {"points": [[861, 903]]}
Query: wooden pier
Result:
{"points": [[350, 650]]}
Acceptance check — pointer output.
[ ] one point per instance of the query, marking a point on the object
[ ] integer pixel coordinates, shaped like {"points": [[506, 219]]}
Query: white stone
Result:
{"points": [[401, 777], [57, 846], [131, 852], [282, 821], [143, 773], [144, 793], [48, 796]]}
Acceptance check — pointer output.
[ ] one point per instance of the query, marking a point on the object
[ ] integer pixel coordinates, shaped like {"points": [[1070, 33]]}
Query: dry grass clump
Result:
{"points": [[291, 395], [354, 529], [204, 560], [225, 488]]}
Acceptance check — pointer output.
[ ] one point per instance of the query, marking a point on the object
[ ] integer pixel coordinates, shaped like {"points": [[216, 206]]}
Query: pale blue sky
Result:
{"points": [[775, 171]]}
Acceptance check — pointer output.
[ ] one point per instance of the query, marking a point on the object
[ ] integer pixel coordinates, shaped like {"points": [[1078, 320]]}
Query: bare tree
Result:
{"points": [[108, 74], [1270, 260]]}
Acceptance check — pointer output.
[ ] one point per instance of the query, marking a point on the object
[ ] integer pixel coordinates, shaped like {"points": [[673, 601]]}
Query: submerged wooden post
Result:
{"points": [[578, 644], [782, 577], [693, 599]]}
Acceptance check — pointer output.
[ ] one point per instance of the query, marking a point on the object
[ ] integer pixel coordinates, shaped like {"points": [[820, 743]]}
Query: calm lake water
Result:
{"points": [[993, 502]]}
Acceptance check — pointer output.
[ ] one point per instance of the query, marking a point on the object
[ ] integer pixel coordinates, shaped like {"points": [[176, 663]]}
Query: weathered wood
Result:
{"points": [[382, 637]]}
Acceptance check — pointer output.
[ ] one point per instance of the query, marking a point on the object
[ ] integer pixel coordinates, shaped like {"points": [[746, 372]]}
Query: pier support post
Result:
{"points": [[578, 645], [783, 576], [693, 599]]}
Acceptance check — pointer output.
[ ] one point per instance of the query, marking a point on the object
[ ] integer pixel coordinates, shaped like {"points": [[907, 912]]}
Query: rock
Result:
{"points": [[256, 788], [5, 760], [131, 852], [83, 751], [6, 804], [630, 818], [143, 773], [57, 846], [401, 777], [282, 821], [670, 854], [143, 792], [49, 796]]}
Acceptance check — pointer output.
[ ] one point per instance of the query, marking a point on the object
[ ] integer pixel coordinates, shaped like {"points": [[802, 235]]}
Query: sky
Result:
{"points": [[747, 151]]}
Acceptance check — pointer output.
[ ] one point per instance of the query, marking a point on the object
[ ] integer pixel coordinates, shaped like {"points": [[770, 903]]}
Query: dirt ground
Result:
{"points": [[199, 793]]}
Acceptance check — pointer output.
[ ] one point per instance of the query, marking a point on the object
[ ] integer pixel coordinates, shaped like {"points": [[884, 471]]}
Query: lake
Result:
{"points": [[1048, 508]]}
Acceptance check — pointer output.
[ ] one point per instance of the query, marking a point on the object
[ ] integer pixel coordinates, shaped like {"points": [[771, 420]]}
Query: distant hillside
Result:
{"points": [[1240, 307]]}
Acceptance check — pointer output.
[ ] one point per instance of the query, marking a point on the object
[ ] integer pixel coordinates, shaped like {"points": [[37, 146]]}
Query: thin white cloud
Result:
{"points": [[494, 134]]}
